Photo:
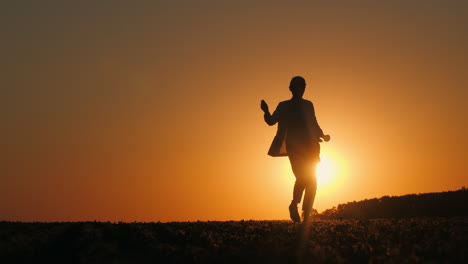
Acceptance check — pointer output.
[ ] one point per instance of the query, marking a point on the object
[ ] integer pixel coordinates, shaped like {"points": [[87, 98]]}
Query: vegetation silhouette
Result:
{"points": [[439, 204], [407, 240], [298, 136]]}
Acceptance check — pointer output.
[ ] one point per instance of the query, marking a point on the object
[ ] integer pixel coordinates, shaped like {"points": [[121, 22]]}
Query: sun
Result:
{"points": [[329, 172], [324, 171]]}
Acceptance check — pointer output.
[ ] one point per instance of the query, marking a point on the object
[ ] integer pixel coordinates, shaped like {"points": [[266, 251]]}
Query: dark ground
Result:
{"points": [[412, 240]]}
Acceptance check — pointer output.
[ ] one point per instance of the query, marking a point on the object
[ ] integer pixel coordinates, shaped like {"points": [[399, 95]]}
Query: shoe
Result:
{"points": [[294, 214]]}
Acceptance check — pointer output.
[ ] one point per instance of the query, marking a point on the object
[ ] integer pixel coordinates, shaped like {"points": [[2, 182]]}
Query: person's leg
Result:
{"points": [[298, 189], [310, 191], [304, 168], [300, 183]]}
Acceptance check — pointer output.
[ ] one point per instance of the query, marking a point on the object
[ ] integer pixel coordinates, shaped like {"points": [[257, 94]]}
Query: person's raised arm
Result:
{"points": [[269, 119]]}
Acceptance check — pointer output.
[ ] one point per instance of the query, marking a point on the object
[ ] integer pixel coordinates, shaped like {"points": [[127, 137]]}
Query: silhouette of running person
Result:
{"points": [[297, 137]]}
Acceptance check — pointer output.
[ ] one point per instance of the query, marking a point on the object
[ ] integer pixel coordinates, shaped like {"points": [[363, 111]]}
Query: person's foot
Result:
{"points": [[293, 213]]}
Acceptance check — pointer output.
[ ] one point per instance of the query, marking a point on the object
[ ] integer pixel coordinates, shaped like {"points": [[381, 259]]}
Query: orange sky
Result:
{"points": [[150, 111]]}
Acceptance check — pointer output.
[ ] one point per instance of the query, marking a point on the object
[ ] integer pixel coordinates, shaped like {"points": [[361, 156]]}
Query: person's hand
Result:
{"points": [[264, 107], [326, 138]]}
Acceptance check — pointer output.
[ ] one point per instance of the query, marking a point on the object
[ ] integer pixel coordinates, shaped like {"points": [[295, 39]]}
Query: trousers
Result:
{"points": [[304, 169]]}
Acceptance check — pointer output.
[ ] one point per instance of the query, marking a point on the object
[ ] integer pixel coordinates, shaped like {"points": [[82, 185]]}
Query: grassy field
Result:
{"points": [[422, 240]]}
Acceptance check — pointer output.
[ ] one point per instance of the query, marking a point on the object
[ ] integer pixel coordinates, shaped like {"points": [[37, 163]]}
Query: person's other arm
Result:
{"points": [[317, 126], [315, 122]]}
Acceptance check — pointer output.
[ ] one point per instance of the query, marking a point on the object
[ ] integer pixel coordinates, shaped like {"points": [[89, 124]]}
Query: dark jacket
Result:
{"points": [[298, 130]]}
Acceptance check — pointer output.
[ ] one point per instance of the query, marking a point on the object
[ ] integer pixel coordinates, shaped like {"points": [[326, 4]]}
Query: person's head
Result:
{"points": [[297, 86]]}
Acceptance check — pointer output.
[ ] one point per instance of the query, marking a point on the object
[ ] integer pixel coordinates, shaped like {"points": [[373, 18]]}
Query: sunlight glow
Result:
{"points": [[325, 172], [330, 172]]}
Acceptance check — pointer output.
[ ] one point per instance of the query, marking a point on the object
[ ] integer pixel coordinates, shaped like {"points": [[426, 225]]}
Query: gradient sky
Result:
{"points": [[149, 110]]}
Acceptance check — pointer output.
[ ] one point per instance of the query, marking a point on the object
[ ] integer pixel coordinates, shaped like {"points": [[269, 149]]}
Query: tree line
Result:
{"points": [[440, 204]]}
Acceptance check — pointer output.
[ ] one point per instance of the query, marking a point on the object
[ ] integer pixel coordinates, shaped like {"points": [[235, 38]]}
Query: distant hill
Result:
{"points": [[441, 204]]}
